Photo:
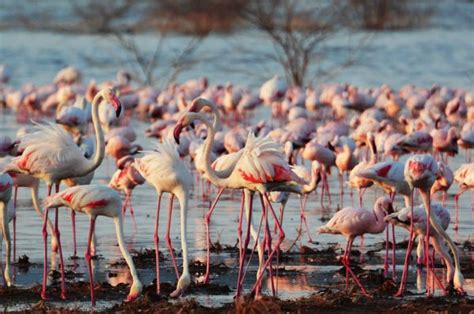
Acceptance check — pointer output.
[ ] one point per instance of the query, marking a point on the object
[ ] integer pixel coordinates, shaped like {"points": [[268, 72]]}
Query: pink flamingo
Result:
{"points": [[356, 181], [326, 158], [464, 177], [50, 154], [273, 90], [167, 173], [272, 172], [125, 179], [404, 218], [443, 181], [97, 200], [421, 172], [352, 222]]}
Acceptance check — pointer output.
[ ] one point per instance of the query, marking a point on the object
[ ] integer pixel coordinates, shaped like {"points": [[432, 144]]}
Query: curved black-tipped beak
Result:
{"points": [[117, 105], [177, 132], [390, 209]]}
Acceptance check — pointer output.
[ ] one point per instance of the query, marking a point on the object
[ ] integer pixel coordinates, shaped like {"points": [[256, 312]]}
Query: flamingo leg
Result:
{"points": [[15, 194], [268, 243], [156, 239], [88, 258], [341, 189], [207, 221], [60, 249], [73, 222], [401, 289], [394, 273], [348, 267], [45, 247], [239, 235], [168, 238], [132, 211], [456, 207], [303, 217], [427, 247], [385, 260], [277, 245]]}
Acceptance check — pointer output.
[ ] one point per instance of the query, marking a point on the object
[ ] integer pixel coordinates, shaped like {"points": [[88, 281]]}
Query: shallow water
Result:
{"points": [[299, 279]]}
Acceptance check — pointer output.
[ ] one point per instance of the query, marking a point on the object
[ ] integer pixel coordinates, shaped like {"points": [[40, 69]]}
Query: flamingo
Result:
{"points": [[421, 172], [125, 179], [261, 168], [352, 222], [464, 177], [356, 181], [404, 218], [6, 185], [51, 155], [97, 200], [167, 173], [443, 181]]}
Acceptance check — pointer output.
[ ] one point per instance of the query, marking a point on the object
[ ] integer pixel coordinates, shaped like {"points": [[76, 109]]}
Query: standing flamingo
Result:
{"points": [[404, 218], [262, 167], [421, 172], [163, 169], [97, 200], [352, 222], [50, 154]]}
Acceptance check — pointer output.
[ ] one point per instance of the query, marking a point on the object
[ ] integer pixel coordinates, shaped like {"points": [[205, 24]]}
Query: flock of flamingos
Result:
{"points": [[399, 140]]}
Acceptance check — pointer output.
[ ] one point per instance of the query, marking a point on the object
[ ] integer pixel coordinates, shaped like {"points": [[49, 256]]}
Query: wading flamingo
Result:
{"points": [[167, 173], [51, 155], [403, 218], [352, 222], [421, 172], [261, 168], [97, 200]]}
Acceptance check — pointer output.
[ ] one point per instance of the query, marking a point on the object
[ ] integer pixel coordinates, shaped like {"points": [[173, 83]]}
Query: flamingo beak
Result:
{"points": [[117, 105], [177, 131]]}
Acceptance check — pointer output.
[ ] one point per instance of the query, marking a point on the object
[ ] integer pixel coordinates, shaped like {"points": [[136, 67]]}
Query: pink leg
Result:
{"points": [[132, 212], [303, 216], [277, 245], [268, 243], [45, 247], [73, 221], [385, 260], [341, 190], [168, 238], [243, 251], [394, 274], [323, 187], [15, 193], [156, 239], [282, 209], [61, 260], [207, 221], [88, 258], [348, 267], [327, 187], [403, 281], [239, 236], [427, 247]]}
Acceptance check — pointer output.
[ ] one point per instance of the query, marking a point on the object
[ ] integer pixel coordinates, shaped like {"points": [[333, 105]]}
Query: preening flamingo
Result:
{"points": [[51, 155], [352, 222], [167, 173], [97, 200]]}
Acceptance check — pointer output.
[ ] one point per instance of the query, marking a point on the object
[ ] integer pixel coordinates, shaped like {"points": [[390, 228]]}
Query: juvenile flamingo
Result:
{"points": [[97, 200], [352, 222]]}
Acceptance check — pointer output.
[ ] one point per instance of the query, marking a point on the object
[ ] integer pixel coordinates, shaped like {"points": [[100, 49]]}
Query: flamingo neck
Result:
{"points": [[183, 196], [308, 188], [136, 285], [380, 223], [99, 138], [210, 172]]}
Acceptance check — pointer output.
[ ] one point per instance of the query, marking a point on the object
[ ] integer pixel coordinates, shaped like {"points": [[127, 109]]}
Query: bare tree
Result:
{"points": [[297, 31]]}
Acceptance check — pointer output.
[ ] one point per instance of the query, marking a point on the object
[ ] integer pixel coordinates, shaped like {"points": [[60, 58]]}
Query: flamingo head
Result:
{"points": [[199, 103], [135, 291], [109, 96], [183, 122], [421, 171]]}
